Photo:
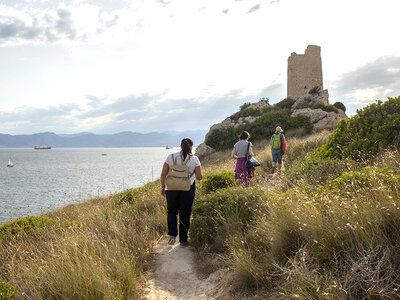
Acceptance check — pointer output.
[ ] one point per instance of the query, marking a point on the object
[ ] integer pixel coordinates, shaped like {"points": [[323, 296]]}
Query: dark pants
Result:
{"points": [[182, 202]]}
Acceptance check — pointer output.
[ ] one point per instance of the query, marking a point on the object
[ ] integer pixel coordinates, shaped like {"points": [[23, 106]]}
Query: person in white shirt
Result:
{"points": [[180, 201]]}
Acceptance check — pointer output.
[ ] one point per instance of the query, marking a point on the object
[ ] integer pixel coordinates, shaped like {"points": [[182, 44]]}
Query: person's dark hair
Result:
{"points": [[244, 135], [186, 145]]}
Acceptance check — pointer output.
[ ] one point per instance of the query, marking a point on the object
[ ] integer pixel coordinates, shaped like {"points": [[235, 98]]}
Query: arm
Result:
{"points": [[164, 173], [233, 154], [251, 151], [197, 173]]}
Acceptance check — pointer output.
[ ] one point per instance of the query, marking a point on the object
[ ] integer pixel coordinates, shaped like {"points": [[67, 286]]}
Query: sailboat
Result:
{"points": [[10, 163]]}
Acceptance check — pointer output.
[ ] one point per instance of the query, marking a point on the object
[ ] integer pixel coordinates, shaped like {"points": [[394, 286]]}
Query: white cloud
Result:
{"points": [[194, 51]]}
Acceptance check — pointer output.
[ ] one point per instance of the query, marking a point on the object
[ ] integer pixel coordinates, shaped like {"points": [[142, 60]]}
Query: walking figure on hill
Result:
{"points": [[278, 148], [242, 173], [178, 184]]}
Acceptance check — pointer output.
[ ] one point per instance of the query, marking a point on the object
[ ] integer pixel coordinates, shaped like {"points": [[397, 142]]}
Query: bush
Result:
{"points": [[214, 182], [373, 128], [26, 225], [7, 291], [314, 171], [298, 150], [327, 108], [269, 118], [315, 90], [340, 105], [225, 213], [285, 103], [129, 197]]}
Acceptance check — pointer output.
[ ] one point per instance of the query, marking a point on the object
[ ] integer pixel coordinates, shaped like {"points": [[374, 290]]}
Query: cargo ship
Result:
{"points": [[42, 147]]}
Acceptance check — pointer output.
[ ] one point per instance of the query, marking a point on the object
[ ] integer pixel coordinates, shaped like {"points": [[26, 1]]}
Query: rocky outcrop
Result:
{"points": [[310, 100], [321, 119], [203, 150]]}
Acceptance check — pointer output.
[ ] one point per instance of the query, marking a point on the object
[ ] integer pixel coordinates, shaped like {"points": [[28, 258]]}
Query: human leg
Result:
{"points": [[172, 212], [185, 210], [279, 160], [275, 158]]}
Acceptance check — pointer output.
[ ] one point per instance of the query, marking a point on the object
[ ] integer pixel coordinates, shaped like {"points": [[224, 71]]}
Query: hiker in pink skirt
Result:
{"points": [[242, 173]]}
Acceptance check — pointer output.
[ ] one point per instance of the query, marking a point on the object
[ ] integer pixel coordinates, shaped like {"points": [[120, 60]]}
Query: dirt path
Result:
{"points": [[174, 276]]}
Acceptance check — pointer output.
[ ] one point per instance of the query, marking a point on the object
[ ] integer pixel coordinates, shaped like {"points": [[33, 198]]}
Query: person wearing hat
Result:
{"points": [[278, 148]]}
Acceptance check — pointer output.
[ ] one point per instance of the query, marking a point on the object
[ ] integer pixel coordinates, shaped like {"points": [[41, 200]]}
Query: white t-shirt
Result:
{"points": [[192, 163]]}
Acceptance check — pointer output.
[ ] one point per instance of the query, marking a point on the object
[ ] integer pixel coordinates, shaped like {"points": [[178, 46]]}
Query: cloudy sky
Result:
{"points": [[107, 66]]}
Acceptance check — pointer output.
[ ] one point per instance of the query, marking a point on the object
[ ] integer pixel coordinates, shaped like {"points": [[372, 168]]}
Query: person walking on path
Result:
{"points": [[180, 201], [278, 148], [242, 173]]}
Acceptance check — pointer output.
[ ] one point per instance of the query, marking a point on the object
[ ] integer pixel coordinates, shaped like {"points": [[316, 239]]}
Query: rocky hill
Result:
{"points": [[308, 114]]}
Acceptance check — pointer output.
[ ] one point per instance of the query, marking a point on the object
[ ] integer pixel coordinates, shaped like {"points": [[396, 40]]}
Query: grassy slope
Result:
{"points": [[292, 249]]}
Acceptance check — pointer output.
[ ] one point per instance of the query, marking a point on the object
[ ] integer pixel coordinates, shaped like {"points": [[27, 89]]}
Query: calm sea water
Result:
{"points": [[43, 180]]}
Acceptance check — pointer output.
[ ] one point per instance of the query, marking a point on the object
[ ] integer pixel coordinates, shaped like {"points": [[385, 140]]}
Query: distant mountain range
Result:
{"points": [[87, 139]]}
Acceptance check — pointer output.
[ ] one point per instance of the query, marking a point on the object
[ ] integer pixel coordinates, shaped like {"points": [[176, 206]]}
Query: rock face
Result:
{"points": [[321, 119], [310, 100], [203, 150]]}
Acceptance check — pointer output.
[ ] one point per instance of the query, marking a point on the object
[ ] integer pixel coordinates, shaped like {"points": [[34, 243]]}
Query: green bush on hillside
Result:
{"points": [[213, 182], [260, 129], [26, 225], [373, 128], [327, 108], [129, 196], [297, 152], [315, 171], [7, 291], [285, 103], [224, 213], [340, 105]]}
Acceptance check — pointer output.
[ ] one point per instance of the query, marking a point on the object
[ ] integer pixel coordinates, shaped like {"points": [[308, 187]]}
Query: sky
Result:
{"points": [[107, 66]]}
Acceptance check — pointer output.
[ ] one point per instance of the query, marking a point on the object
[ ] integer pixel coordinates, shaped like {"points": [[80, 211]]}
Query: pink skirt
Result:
{"points": [[242, 173]]}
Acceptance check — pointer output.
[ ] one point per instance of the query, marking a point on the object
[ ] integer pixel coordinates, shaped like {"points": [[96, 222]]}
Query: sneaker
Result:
{"points": [[171, 240], [185, 244]]}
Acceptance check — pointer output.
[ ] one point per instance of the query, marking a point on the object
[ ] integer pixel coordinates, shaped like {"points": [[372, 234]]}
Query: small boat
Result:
{"points": [[10, 163], [168, 147], [104, 154], [42, 147]]}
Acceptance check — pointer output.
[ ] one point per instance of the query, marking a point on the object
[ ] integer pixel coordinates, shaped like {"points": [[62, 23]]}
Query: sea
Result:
{"points": [[44, 180]]}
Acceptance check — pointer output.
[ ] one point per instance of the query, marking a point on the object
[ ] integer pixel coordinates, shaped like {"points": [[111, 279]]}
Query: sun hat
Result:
{"points": [[278, 129]]}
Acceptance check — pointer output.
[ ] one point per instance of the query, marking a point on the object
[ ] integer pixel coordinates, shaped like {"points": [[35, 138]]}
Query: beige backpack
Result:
{"points": [[178, 178]]}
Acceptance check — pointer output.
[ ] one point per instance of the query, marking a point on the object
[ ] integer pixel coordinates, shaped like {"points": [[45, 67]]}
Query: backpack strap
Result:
{"points": [[185, 163], [173, 160], [248, 147]]}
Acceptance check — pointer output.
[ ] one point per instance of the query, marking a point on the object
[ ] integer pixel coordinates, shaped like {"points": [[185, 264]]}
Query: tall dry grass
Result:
{"points": [[325, 230], [99, 249]]}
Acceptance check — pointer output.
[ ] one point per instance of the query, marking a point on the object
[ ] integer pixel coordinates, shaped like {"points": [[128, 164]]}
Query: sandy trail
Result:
{"points": [[174, 276]]}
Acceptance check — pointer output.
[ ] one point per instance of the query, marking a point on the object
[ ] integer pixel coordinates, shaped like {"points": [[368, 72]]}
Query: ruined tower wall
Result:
{"points": [[304, 72]]}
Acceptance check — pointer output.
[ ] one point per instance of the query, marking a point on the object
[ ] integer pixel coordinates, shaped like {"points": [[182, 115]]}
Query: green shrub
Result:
{"points": [[129, 197], [214, 182], [315, 90], [222, 214], [285, 103], [223, 139], [314, 171], [327, 108], [373, 128], [298, 151], [340, 105], [7, 291], [26, 225], [260, 129]]}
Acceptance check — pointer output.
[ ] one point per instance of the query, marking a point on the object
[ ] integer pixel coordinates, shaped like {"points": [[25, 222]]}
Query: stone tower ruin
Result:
{"points": [[305, 73]]}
